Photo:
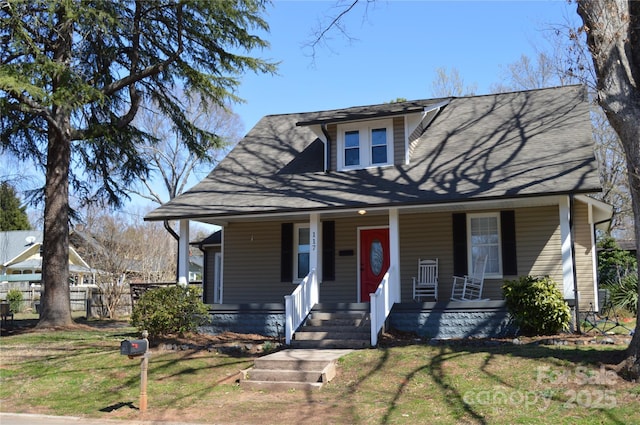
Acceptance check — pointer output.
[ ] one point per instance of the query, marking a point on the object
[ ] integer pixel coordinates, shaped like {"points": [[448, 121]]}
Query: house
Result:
{"points": [[340, 205], [21, 258], [21, 268]]}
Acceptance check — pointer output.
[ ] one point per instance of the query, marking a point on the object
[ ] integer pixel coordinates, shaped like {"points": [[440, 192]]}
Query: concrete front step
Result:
{"points": [[352, 322], [328, 327], [268, 363], [292, 369], [280, 386], [287, 375], [313, 334], [334, 329], [340, 315], [331, 343]]}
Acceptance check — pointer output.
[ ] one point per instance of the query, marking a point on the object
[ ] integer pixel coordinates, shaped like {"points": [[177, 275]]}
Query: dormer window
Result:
{"points": [[365, 144]]}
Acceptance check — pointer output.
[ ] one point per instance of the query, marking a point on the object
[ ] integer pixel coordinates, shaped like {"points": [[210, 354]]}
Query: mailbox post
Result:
{"points": [[139, 348]]}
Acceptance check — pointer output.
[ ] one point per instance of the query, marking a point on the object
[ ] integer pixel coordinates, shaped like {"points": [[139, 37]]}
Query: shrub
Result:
{"points": [[169, 310], [624, 293], [537, 305], [14, 297]]}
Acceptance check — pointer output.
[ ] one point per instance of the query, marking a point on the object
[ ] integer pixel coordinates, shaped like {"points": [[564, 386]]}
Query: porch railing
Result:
{"points": [[381, 303], [298, 305]]}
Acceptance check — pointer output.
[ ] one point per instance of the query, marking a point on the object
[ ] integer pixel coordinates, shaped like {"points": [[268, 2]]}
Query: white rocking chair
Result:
{"points": [[469, 288], [426, 284]]}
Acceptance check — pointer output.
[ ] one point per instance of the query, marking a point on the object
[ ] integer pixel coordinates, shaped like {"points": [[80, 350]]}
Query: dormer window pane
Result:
{"points": [[379, 146], [351, 148], [363, 144]]}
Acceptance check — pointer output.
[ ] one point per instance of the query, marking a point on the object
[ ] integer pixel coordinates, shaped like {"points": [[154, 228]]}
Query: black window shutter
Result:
{"points": [[460, 266], [508, 230], [328, 250], [286, 253]]}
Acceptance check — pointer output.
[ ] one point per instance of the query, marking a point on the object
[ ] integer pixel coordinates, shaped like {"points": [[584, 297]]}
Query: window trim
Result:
{"points": [[365, 129], [470, 262], [296, 244]]}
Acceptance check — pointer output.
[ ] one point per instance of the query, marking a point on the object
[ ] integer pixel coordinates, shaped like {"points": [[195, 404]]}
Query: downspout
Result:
{"points": [[573, 262], [170, 230], [177, 238], [327, 161]]}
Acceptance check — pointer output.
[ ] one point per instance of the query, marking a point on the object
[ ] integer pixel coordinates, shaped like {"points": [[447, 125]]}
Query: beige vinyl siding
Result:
{"points": [[398, 140], [252, 255], [538, 248], [584, 255], [252, 264], [538, 242], [426, 236], [252, 267]]}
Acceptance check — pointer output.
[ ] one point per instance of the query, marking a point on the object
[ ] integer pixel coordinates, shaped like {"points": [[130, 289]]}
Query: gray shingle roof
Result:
{"points": [[15, 242], [482, 147]]}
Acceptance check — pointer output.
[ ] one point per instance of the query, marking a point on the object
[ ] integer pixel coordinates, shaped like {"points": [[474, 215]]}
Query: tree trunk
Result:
{"points": [[56, 302], [613, 37]]}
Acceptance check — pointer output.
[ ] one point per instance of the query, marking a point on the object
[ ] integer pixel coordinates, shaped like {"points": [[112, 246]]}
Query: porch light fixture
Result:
{"points": [[362, 212]]}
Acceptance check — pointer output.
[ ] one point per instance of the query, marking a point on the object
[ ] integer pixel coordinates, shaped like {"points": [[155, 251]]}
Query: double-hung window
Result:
{"points": [[365, 144], [484, 239], [302, 247]]}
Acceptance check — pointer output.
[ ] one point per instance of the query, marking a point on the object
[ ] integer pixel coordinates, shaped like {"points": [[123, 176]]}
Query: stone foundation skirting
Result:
{"points": [[447, 320], [443, 320], [261, 319]]}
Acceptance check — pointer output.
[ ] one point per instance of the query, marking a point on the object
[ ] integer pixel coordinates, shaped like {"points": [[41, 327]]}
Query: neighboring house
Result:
{"points": [[359, 194], [21, 258], [196, 267]]}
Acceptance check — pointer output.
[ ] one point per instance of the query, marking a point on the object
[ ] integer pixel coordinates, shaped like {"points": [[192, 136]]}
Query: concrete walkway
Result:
{"points": [[304, 354]]}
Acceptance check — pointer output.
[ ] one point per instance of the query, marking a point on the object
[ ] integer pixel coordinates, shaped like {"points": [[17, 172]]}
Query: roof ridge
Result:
{"points": [[423, 100]]}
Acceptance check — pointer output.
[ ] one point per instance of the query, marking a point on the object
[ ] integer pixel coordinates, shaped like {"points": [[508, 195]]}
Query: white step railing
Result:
{"points": [[298, 305], [381, 303]]}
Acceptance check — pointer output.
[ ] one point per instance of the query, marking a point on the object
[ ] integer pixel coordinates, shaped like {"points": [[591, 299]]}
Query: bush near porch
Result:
{"points": [[537, 305]]}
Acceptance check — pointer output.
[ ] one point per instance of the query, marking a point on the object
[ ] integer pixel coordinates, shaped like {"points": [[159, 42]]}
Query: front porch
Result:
{"points": [[440, 320]]}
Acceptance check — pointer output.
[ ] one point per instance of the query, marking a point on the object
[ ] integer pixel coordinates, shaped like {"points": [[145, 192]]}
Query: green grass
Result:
{"points": [[81, 373]]}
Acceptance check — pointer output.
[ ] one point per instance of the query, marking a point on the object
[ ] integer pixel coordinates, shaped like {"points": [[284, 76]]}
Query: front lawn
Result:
{"points": [[80, 372]]}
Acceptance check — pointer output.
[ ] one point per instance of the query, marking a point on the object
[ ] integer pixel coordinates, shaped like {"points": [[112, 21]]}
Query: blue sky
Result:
{"points": [[394, 50]]}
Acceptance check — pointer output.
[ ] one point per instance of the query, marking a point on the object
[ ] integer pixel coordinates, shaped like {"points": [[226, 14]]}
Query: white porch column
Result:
{"points": [[394, 252], [567, 257], [183, 252], [314, 244]]}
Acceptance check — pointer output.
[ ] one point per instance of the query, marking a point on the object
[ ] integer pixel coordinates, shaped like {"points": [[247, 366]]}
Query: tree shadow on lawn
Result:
{"points": [[554, 350]]}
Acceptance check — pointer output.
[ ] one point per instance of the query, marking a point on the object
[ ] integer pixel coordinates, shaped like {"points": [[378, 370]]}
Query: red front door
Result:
{"points": [[374, 260]]}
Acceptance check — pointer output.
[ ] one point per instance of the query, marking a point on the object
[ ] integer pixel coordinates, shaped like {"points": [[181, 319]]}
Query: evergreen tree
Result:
{"points": [[12, 215], [73, 76]]}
